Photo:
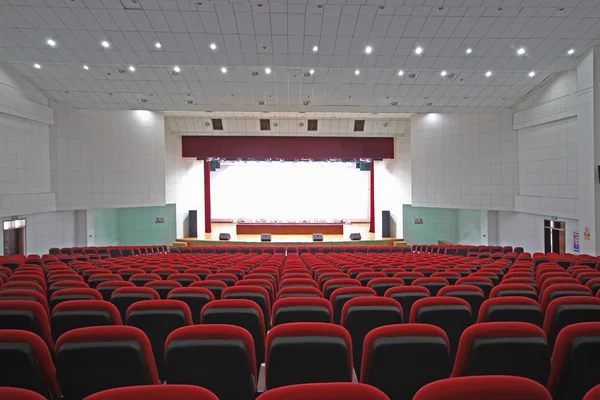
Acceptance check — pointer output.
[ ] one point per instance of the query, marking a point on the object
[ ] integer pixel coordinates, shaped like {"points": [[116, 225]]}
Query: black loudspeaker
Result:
{"points": [[355, 236], [224, 236], [317, 237], [193, 224], [386, 224], [265, 237]]}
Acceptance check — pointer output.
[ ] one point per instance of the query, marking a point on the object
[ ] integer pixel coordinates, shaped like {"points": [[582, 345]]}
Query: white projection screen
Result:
{"points": [[289, 191]]}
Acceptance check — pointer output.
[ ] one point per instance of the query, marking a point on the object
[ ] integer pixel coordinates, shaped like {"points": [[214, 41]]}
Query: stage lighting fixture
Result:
{"points": [[224, 236], [265, 237], [355, 236], [317, 237]]}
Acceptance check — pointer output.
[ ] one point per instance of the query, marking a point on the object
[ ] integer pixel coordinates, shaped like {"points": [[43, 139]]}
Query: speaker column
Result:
{"points": [[386, 224], [193, 223]]}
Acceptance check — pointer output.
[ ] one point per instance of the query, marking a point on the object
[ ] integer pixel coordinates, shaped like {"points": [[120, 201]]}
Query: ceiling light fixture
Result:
{"points": [[571, 52], [357, 72], [131, 68], [532, 74], [86, 67], [224, 70], [400, 73], [105, 44], [267, 70], [521, 51], [157, 45], [315, 49], [444, 73], [368, 49], [418, 50], [213, 46], [312, 71], [488, 74], [51, 42], [176, 69], [469, 50], [37, 66]]}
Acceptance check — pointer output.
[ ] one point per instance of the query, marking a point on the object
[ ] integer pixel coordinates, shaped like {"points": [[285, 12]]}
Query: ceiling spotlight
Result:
{"points": [[356, 72], [267, 70], [213, 46], [315, 49], [86, 67], [305, 103], [157, 45], [400, 73], [521, 51], [37, 66], [312, 71], [469, 51], [260, 103], [394, 103], [488, 74], [105, 44], [224, 70], [176, 69], [368, 49], [189, 102], [131, 68], [418, 50], [51, 42], [429, 104], [444, 73], [571, 52], [532, 74]]}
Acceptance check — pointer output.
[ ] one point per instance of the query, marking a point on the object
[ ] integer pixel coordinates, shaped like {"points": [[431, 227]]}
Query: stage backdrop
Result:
{"points": [[289, 191]]}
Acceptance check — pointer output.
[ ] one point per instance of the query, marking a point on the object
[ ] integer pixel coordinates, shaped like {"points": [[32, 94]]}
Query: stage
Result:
{"points": [[342, 239]]}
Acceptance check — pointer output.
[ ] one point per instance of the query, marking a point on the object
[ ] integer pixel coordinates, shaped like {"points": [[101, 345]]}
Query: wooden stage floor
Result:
{"points": [[250, 239]]}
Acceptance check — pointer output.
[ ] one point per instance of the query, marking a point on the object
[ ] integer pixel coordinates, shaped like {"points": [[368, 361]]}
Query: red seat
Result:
{"points": [[257, 294], [10, 393], [74, 294], [510, 309], [433, 284], [215, 286], [340, 297], [575, 368], [593, 394], [28, 316], [569, 310], [31, 295], [325, 391], [106, 289], [561, 290], [503, 348], [162, 392], [471, 294], [381, 285], [105, 357], [514, 289], [407, 296], [124, 297], [229, 353], [299, 291], [74, 314], [334, 284], [304, 352], [194, 297], [484, 387], [387, 349], [163, 288]]}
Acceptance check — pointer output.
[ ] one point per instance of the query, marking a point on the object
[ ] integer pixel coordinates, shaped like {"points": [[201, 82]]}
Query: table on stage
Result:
{"points": [[289, 228]]}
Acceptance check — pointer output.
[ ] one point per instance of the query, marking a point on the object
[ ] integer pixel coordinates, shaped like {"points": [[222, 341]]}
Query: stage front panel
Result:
{"points": [[289, 229]]}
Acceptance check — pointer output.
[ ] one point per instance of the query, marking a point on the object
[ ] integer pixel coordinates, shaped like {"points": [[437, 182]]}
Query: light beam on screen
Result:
{"points": [[289, 191]]}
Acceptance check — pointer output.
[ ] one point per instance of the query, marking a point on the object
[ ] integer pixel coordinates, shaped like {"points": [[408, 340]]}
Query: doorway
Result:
{"points": [[14, 237], [554, 236]]}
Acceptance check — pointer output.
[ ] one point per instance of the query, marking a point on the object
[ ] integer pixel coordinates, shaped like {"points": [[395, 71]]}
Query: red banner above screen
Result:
{"points": [[286, 147]]}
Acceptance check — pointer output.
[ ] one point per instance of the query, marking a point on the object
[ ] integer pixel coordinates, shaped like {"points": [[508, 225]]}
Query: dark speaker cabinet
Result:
{"points": [[386, 224], [193, 224]]}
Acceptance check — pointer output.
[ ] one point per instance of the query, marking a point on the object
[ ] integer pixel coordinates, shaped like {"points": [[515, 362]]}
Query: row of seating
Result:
{"points": [[398, 359], [467, 388]]}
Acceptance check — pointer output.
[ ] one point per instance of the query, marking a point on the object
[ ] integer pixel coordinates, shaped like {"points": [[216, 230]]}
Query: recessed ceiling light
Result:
{"points": [[521, 51], [368, 49], [312, 71], [357, 72], [213, 46], [51, 42], [176, 69], [444, 73], [131, 68], [157, 45], [488, 74], [532, 74], [267, 70], [571, 52], [37, 66], [315, 48], [400, 73], [418, 50], [105, 44], [469, 51], [224, 70], [86, 67]]}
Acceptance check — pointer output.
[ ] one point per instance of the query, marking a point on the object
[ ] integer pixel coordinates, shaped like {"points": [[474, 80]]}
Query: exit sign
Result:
{"points": [[554, 218]]}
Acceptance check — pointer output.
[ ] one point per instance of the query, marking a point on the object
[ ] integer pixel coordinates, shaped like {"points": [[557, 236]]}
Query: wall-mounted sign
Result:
{"points": [[159, 220], [586, 233], [575, 242], [418, 221]]}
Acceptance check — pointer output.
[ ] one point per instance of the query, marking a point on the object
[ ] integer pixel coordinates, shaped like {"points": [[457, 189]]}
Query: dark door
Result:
{"points": [[13, 241]]}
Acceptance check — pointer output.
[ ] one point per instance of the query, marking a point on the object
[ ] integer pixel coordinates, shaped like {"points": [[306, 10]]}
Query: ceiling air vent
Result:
{"points": [[359, 125], [265, 124], [217, 124], [313, 125]]}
